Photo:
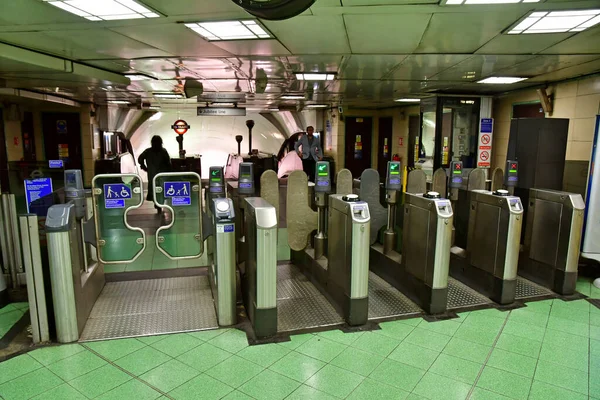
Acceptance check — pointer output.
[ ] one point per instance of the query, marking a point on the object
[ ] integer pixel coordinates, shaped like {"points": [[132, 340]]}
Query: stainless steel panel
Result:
{"points": [[370, 193], [484, 234], [546, 227], [416, 238]]}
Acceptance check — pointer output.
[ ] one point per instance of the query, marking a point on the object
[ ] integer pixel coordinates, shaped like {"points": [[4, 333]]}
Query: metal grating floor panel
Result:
{"points": [[151, 307], [462, 296], [528, 289], [300, 305], [385, 301]]}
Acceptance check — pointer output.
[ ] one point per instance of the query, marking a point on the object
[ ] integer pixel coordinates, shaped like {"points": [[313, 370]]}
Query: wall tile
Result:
{"points": [[579, 151], [582, 129], [567, 89], [588, 86], [587, 106], [564, 108]]}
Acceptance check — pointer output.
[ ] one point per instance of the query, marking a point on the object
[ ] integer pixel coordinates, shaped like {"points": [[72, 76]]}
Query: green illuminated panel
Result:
{"points": [[514, 171], [457, 172]]}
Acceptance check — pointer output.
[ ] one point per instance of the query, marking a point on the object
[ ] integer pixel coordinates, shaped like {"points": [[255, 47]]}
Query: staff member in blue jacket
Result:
{"points": [[311, 152]]}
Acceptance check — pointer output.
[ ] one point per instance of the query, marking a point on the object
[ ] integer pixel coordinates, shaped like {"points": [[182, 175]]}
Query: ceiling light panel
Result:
{"points": [[315, 76], [461, 2], [230, 30], [557, 22], [501, 80], [105, 10]]}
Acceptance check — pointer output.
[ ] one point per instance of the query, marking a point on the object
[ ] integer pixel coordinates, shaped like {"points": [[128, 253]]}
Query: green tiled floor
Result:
{"points": [[10, 314], [548, 350]]}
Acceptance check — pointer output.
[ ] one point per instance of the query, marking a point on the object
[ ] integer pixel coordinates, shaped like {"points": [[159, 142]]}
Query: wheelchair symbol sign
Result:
{"points": [[115, 195], [178, 192]]}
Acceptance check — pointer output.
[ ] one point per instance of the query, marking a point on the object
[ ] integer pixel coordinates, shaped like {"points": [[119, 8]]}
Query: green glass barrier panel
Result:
{"points": [[114, 196], [181, 194]]}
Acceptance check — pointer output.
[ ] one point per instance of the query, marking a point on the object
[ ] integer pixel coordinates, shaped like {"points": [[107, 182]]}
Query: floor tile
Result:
{"points": [[208, 334], [544, 391], [142, 361], [594, 332], [576, 305], [7, 308], [583, 286], [594, 319], [396, 329], [115, 349], [235, 371], [169, 375], [568, 326], [237, 395], [176, 345], [434, 386], [519, 345], [468, 350], [566, 340], [476, 334], [77, 365], [566, 378], [410, 321], [527, 331], [232, 341], [525, 316], [582, 316], [336, 335], [357, 361], [505, 383], [414, 355], [133, 389], [370, 389], [51, 354], [482, 394], [429, 340], [150, 339], [264, 355], [29, 385], [397, 374], [457, 369], [483, 321], [100, 381], [335, 381], [414, 396], [203, 387], [62, 392], [297, 366], [595, 347], [448, 327], [542, 307], [269, 385], [204, 357], [513, 362], [571, 358], [18, 366], [321, 348], [491, 312], [297, 340], [305, 392], [377, 344]]}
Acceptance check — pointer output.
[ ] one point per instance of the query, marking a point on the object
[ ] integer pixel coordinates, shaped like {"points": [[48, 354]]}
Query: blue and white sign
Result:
{"points": [[36, 189], [56, 164], [487, 125], [115, 195], [229, 228], [178, 192]]}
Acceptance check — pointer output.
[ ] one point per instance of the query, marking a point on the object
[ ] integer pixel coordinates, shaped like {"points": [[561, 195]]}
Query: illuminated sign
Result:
{"points": [[180, 127]]}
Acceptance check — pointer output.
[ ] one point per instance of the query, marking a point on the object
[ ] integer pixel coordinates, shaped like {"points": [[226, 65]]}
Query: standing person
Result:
{"points": [[311, 152], [154, 160]]}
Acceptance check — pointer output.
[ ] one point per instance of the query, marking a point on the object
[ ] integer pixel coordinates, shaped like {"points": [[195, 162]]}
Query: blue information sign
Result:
{"points": [[487, 125], [229, 228], [179, 193], [115, 195], [56, 164], [36, 189]]}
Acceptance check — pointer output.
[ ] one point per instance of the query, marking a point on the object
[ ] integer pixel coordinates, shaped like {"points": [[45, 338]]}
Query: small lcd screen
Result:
{"points": [[215, 179], [322, 183], [215, 173], [457, 172], [394, 181], [514, 171], [216, 189], [322, 169], [245, 185], [512, 179]]}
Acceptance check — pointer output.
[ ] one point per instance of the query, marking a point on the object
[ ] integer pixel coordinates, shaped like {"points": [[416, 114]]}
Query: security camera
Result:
{"points": [[341, 109]]}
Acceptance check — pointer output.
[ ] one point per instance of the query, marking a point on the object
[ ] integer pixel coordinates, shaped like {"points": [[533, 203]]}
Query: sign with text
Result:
{"points": [[36, 189], [115, 195], [484, 144], [221, 112], [56, 164], [178, 192]]}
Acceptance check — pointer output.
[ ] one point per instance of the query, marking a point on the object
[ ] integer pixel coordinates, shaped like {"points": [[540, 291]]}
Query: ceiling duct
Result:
{"points": [[120, 119], [275, 10]]}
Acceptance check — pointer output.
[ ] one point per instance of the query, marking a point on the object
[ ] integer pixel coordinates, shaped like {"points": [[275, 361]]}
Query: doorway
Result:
{"points": [[62, 138], [384, 152], [3, 157], [414, 132], [528, 110], [358, 144]]}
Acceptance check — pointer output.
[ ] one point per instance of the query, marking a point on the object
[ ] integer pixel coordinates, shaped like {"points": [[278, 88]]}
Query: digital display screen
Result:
{"points": [[216, 189], [322, 183], [457, 172], [245, 185], [322, 170], [215, 179], [394, 181], [215, 173], [246, 176], [513, 179], [394, 169], [513, 171], [457, 180]]}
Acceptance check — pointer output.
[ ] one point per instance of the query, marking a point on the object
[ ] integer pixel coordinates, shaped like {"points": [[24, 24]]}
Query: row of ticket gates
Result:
{"points": [[339, 232]]}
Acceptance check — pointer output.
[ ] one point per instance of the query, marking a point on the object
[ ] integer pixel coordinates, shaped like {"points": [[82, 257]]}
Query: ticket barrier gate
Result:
{"points": [[421, 269], [239, 190]]}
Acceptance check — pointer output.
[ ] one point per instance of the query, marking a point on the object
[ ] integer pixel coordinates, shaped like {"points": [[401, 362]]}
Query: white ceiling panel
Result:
{"points": [[480, 66], [273, 67], [312, 63], [463, 32], [311, 34], [545, 64], [369, 66], [174, 39], [570, 72], [51, 45], [107, 44], [209, 8], [522, 44], [586, 42], [269, 47], [29, 12], [350, 3], [385, 33], [424, 66], [111, 65]]}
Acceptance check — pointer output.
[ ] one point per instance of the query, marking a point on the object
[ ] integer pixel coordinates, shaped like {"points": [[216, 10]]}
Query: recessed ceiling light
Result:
{"points": [[277, 135], [501, 80], [292, 97], [230, 30], [139, 77], [168, 95], [118, 102], [316, 106], [218, 104], [314, 76], [408, 100], [154, 108], [556, 22], [459, 2], [105, 10]]}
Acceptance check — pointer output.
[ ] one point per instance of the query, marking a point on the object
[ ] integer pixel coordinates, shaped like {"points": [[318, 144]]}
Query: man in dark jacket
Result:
{"points": [[154, 160], [311, 152]]}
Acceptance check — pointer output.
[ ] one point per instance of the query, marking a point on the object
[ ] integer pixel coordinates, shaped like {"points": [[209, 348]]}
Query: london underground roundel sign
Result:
{"points": [[180, 127]]}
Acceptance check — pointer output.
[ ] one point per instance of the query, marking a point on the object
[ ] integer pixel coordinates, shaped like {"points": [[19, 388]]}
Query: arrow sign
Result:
{"points": [[322, 167]]}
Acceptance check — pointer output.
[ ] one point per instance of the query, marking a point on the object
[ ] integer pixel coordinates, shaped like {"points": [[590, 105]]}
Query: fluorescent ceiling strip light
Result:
{"points": [[292, 97], [139, 77], [230, 30], [408, 100], [315, 76], [317, 106], [501, 80], [557, 22], [105, 10], [118, 102], [168, 95]]}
